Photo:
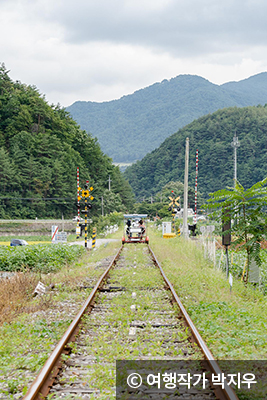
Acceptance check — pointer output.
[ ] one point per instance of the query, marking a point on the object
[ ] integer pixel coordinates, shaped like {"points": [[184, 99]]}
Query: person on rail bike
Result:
{"points": [[128, 231], [143, 228]]}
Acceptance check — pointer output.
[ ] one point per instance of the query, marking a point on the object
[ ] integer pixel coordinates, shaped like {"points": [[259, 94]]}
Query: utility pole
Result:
{"points": [[109, 182], [85, 214], [78, 228], [185, 226], [235, 144], [195, 216]]}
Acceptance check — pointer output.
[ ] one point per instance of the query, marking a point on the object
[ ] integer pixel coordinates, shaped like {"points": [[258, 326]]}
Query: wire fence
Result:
{"points": [[236, 262]]}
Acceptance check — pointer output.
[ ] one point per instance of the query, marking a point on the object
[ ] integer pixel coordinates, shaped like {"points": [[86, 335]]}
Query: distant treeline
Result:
{"points": [[212, 136]]}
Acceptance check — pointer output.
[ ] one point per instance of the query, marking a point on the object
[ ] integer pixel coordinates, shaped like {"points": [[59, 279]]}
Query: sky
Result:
{"points": [[100, 50]]}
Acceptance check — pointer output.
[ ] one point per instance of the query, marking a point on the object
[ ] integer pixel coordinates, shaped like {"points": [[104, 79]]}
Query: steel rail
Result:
{"points": [[40, 387], [225, 394]]}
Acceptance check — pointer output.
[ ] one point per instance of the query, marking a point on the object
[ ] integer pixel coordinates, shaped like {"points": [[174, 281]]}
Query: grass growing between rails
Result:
{"points": [[109, 340], [232, 324], [31, 326]]}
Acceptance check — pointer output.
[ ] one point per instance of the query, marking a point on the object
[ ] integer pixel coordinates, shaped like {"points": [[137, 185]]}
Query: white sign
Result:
{"points": [[231, 280], [58, 237], [54, 233], [166, 227], [61, 237]]}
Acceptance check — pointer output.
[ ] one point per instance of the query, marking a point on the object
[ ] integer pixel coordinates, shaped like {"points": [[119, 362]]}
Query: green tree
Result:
{"points": [[246, 208], [151, 209], [41, 147], [7, 172], [112, 202]]}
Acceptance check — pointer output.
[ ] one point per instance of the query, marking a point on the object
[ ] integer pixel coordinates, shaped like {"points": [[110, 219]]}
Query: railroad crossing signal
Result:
{"points": [[174, 201], [85, 194], [174, 204]]}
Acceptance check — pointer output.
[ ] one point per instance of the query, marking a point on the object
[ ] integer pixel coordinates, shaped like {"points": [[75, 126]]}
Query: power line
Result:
{"points": [[38, 198]]}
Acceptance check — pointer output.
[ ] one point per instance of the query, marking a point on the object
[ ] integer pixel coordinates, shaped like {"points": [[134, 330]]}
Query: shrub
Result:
{"points": [[42, 257]]}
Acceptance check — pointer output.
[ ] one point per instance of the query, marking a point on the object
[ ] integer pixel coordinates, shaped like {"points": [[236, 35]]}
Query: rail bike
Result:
{"points": [[135, 228]]}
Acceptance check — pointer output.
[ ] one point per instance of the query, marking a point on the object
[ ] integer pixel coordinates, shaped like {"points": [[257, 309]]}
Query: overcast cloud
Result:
{"points": [[99, 50]]}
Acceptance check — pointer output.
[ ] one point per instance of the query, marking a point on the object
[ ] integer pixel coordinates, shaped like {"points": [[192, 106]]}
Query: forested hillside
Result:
{"points": [[212, 136], [129, 128], [40, 148]]}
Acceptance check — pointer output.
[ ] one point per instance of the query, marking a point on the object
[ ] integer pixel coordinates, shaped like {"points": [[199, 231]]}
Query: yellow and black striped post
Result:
{"points": [[93, 238], [173, 223], [85, 221]]}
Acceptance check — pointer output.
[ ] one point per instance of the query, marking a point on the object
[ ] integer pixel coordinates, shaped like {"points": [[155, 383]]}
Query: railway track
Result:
{"points": [[132, 313]]}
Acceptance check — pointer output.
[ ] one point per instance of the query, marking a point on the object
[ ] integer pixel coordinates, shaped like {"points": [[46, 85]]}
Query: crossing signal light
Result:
{"points": [[174, 210], [89, 206]]}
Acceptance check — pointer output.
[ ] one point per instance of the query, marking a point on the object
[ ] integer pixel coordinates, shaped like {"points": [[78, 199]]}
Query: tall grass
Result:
{"points": [[232, 323], [15, 294]]}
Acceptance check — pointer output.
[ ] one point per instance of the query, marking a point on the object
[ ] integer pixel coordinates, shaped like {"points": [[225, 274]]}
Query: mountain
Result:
{"points": [[134, 125], [212, 136]]}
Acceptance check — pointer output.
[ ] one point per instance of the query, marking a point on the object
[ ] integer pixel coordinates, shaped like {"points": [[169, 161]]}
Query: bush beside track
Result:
{"points": [[43, 258]]}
